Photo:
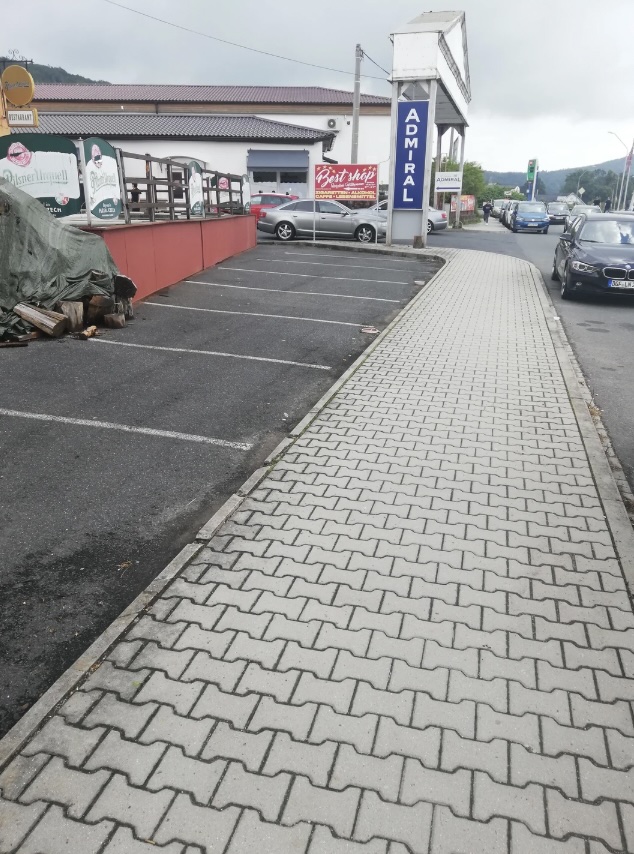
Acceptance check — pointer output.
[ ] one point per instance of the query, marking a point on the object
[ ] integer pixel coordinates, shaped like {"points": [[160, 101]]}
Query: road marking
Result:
{"points": [[322, 264], [311, 276], [211, 353], [254, 314], [355, 257], [126, 428], [282, 291]]}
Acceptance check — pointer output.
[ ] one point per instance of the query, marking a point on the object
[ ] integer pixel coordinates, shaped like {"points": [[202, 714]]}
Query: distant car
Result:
{"points": [[576, 211], [326, 217], [437, 220], [265, 201], [596, 256], [497, 204], [508, 213], [557, 212], [530, 216]]}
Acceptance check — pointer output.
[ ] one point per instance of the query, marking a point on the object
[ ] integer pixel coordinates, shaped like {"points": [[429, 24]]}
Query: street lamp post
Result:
{"points": [[622, 183], [579, 185]]}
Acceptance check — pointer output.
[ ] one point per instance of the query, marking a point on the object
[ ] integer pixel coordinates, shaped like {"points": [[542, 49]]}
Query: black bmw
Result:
{"points": [[596, 256]]}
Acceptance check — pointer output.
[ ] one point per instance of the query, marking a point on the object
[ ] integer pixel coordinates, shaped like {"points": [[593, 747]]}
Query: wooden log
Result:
{"points": [[51, 322], [97, 307], [14, 343], [74, 311], [114, 321]]}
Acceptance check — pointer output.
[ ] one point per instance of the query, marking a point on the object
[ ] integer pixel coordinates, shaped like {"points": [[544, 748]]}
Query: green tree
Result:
{"points": [[597, 183]]}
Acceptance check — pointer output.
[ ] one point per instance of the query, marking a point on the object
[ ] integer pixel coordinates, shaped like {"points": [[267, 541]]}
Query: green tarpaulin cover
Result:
{"points": [[43, 261]]}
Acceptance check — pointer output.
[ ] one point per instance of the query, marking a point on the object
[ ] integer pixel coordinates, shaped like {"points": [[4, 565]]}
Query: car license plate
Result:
{"points": [[621, 283], [533, 225]]}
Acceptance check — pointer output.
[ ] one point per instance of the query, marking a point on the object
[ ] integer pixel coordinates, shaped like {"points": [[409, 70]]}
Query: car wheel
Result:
{"points": [[364, 234], [566, 290], [545, 231], [554, 275], [284, 231], [430, 226], [513, 229]]}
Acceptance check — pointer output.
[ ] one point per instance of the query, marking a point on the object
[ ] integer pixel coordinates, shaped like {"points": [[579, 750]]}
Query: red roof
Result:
{"points": [[200, 94]]}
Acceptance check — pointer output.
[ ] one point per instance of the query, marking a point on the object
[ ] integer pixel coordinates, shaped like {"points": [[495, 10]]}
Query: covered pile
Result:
{"points": [[44, 262]]}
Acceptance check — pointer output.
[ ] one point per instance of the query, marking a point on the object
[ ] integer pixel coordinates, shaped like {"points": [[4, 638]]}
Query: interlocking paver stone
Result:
{"points": [[413, 637]]}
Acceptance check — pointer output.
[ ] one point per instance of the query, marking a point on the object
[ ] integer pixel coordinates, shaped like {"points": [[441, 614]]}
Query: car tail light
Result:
{"points": [[262, 214], [444, 215]]}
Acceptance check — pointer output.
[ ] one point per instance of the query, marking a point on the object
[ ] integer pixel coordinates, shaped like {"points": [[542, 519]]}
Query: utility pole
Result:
{"points": [[628, 163], [356, 105]]}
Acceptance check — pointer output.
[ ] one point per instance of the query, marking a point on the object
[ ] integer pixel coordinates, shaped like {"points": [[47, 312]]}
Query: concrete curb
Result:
{"points": [[34, 719], [610, 496], [70, 679]]}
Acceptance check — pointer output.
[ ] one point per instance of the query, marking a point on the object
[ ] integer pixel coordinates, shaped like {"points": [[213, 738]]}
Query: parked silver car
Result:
{"points": [[328, 219], [437, 220]]}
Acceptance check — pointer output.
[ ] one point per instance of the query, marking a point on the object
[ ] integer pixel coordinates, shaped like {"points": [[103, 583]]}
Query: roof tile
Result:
{"points": [[162, 125], [196, 94]]}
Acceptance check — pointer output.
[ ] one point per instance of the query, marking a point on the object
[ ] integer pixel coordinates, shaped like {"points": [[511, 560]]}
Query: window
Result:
{"points": [[260, 177], [331, 208], [256, 200], [304, 206], [293, 177], [273, 200], [612, 232], [291, 207], [177, 178]]}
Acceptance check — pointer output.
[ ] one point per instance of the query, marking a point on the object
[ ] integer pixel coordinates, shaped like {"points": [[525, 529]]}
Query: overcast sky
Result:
{"points": [[549, 78]]}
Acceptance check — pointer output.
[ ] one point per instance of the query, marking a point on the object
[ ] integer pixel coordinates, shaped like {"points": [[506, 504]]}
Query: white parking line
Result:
{"points": [[211, 353], [322, 264], [356, 257], [282, 291], [254, 314], [126, 428], [312, 276]]}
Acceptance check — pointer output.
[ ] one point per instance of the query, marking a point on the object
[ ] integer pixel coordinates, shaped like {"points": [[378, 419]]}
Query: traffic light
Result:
{"points": [[530, 171]]}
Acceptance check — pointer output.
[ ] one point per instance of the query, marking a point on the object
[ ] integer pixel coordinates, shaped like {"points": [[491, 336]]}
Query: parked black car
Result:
{"points": [[596, 256], [557, 212]]}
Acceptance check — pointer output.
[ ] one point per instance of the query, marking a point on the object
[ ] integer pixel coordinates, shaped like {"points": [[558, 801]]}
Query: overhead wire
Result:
{"points": [[367, 56], [237, 44]]}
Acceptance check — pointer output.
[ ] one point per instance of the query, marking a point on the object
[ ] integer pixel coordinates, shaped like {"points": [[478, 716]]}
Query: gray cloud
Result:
{"points": [[550, 58]]}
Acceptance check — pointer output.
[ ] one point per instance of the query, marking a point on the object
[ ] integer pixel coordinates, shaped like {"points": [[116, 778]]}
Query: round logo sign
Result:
{"points": [[18, 85]]}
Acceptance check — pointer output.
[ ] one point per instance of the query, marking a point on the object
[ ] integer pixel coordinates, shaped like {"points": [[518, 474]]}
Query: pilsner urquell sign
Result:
{"points": [[346, 181]]}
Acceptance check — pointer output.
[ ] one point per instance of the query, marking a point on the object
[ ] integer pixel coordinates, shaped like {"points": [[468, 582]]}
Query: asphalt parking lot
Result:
{"points": [[115, 451]]}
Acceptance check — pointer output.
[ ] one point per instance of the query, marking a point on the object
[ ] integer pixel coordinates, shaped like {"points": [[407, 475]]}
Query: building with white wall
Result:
{"points": [[191, 121]]}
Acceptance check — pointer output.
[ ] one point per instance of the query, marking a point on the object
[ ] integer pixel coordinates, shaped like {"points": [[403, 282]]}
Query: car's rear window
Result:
{"points": [[531, 207], [557, 208]]}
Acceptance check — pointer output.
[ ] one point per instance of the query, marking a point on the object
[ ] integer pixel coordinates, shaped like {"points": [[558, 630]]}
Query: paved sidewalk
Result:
{"points": [[414, 634]]}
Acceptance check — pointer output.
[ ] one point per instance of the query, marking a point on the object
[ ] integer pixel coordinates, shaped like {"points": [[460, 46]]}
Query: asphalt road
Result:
{"points": [[600, 329], [145, 432]]}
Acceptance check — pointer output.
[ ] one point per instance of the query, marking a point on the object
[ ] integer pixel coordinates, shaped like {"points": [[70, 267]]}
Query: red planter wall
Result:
{"points": [[158, 254]]}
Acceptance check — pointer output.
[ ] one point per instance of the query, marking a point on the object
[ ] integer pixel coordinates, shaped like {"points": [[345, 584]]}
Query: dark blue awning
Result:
{"points": [[274, 158]]}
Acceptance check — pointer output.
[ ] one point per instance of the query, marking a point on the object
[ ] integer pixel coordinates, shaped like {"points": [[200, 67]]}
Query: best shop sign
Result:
{"points": [[411, 146], [346, 182]]}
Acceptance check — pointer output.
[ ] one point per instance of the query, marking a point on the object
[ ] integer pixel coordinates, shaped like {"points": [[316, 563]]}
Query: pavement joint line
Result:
{"points": [[338, 247], [255, 314], [213, 353], [321, 264], [70, 680], [282, 291], [405, 252], [311, 276], [617, 518], [126, 428]]}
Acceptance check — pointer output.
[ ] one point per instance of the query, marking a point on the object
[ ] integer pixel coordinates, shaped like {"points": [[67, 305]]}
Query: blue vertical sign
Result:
{"points": [[411, 147]]}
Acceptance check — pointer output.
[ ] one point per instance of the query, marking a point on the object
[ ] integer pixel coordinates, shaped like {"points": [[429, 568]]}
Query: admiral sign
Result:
{"points": [[411, 146], [351, 182]]}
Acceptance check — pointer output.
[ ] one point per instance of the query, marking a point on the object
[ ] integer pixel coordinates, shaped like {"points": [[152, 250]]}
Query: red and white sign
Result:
{"points": [[346, 181], [467, 204]]}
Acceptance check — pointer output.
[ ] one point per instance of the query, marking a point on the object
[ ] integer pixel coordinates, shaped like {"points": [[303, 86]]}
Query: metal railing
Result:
{"points": [[167, 196]]}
